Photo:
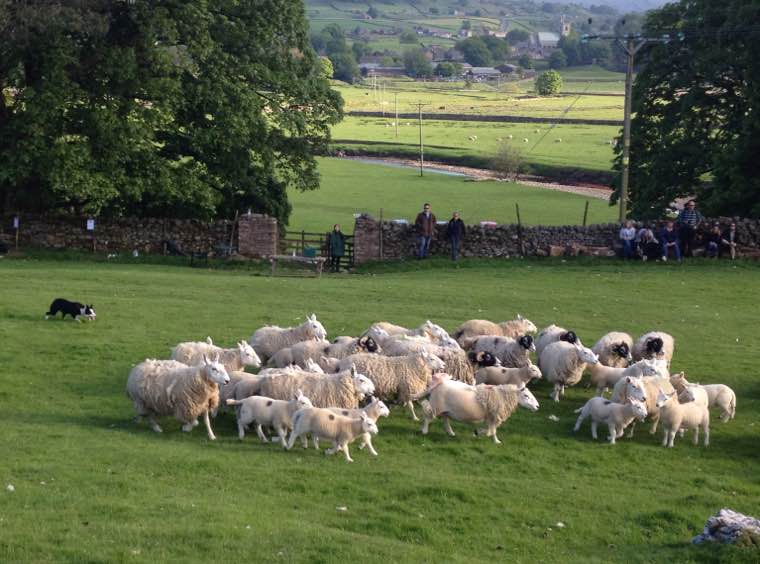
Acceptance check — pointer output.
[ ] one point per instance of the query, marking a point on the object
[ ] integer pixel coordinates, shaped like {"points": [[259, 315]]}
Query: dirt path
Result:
{"points": [[590, 190]]}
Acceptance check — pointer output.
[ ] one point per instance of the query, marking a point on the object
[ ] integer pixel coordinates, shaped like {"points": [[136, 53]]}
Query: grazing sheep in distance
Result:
{"points": [[277, 414], [604, 377], [676, 416], [510, 352], [476, 327], [617, 416], [472, 404], [159, 388], [324, 424], [237, 358], [614, 349], [558, 140], [655, 344], [552, 334], [562, 364], [525, 140], [718, 395], [397, 378], [344, 389], [266, 341], [498, 375]]}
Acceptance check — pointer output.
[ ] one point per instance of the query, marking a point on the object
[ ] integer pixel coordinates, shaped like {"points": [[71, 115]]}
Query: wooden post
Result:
{"points": [[232, 231], [16, 222], [381, 233], [303, 241], [585, 214], [519, 231]]}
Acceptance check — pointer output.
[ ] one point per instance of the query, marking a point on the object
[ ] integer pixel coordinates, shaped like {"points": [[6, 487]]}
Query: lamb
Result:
{"points": [[160, 388], [614, 349], [644, 389], [617, 416], [299, 353], [329, 364], [458, 401], [476, 327], [510, 352], [604, 377], [696, 392], [344, 389], [266, 341], [717, 395], [324, 424], [374, 410], [435, 333], [562, 364], [277, 414], [398, 377], [674, 416], [346, 346], [236, 358], [499, 375], [654, 344], [552, 334]]}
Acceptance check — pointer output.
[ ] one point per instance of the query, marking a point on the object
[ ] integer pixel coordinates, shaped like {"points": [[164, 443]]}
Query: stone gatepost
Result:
{"points": [[366, 239], [257, 235]]}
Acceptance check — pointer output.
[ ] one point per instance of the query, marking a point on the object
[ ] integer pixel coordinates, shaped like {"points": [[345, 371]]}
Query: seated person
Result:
{"points": [[669, 241], [712, 241], [728, 241]]}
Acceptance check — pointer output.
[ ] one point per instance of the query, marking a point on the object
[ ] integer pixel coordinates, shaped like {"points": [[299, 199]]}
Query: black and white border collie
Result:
{"points": [[74, 309]]}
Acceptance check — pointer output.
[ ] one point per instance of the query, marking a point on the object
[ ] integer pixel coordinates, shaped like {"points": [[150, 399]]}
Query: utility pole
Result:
{"points": [[422, 154], [395, 99]]}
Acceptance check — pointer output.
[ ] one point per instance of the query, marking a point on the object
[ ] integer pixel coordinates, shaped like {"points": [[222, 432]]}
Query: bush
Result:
{"points": [[525, 62], [557, 60], [509, 161], [408, 36], [549, 83]]}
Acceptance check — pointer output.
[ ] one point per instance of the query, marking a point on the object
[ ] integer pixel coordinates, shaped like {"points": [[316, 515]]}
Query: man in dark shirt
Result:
{"points": [[425, 225], [455, 233], [669, 241], [688, 223]]}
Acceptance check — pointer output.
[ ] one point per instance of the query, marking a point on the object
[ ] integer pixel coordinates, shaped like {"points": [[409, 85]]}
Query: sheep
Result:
{"points": [[614, 349], [562, 364], [674, 416], [718, 395], [328, 364], [229, 390], [558, 140], [483, 359], [476, 327], [644, 389], [654, 344], [324, 424], [277, 414], [266, 341], [344, 389], [160, 388], [617, 416], [457, 363], [498, 375], [299, 353], [697, 393], [374, 410], [525, 139], [472, 404], [397, 377], [346, 346], [604, 377], [383, 330], [552, 334], [236, 358], [510, 352], [510, 136]]}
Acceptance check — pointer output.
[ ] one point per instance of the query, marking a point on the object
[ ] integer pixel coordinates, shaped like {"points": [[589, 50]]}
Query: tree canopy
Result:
{"points": [[160, 108], [696, 129], [549, 83]]}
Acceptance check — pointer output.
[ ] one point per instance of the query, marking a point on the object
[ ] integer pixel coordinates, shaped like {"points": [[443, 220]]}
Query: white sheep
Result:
{"points": [[614, 349], [643, 389], [525, 140], [718, 395], [324, 424], [697, 394], [344, 389], [499, 375], [476, 327], [374, 411], [299, 353], [266, 341], [233, 359], [655, 344], [617, 416], [675, 416], [562, 364], [552, 334], [397, 378], [604, 377], [458, 401], [510, 352], [277, 414], [382, 330], [167, 387], [510, 136], [341, 347], [558, 140]]}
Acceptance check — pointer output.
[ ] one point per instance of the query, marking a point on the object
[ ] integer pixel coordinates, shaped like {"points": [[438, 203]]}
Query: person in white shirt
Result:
{"points": [[627, 235]]}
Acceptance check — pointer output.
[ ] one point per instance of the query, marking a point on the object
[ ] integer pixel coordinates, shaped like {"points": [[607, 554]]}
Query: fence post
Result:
{"points": [[381, 233], [519, 231], [303, 241], [585, 214]]}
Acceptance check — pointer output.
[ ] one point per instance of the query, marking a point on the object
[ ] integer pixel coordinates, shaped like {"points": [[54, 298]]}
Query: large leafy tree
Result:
{"points": [[696, 129], [167, 107]]}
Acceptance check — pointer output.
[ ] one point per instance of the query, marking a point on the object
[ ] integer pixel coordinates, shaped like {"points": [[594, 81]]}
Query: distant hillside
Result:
{"points": [[627, 5]]}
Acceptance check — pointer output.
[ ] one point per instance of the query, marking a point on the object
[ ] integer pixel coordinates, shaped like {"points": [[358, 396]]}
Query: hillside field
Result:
{"points": [[92, 486]]}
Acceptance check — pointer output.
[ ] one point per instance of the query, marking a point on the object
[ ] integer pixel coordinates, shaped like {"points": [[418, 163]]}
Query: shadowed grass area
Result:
{"points": [[92, 486]]}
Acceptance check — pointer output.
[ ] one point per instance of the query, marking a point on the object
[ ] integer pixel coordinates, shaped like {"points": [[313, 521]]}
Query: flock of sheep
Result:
{"points": [[336, 390]]}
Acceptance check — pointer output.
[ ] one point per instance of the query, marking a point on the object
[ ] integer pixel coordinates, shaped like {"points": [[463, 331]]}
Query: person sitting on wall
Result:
{"points": [[728, 241], [712, 241], [669, 241], [649, 246], [627, 235]]}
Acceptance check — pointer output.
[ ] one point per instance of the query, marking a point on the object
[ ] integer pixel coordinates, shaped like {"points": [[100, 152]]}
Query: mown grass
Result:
{"points": [[349, 187], [91, 486]]}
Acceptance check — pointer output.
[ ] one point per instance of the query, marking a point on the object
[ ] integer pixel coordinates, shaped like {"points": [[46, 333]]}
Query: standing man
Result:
{"points": [[688, 222], [455, 234], [425, 224], [336, 245]]}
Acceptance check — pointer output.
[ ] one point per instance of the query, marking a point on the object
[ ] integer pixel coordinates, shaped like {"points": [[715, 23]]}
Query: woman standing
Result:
{"points": [[336, 247], [455, 234]]}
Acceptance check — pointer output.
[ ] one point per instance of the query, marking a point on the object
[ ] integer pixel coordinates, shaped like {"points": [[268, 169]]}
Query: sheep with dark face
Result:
{"points": [[552, 334], [342, 347], [512, 353], [656, 345], [614, 349], [483, 359]]}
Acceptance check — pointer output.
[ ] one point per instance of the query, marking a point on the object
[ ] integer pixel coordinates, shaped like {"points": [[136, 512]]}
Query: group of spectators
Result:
{"points": [[677, 239], [424, 224]]}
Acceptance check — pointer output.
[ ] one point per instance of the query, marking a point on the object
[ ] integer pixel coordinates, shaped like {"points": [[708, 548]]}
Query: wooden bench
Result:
{"points": [[317, 262]]}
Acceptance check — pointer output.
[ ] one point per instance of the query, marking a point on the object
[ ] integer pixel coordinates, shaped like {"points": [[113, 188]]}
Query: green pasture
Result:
{"points": [[92, 486], [348, 187], [581, 147]]}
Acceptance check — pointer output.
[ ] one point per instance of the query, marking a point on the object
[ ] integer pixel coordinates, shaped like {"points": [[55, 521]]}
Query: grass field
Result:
{"points": [[91, 486], [350, 187], [582, 146]]}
